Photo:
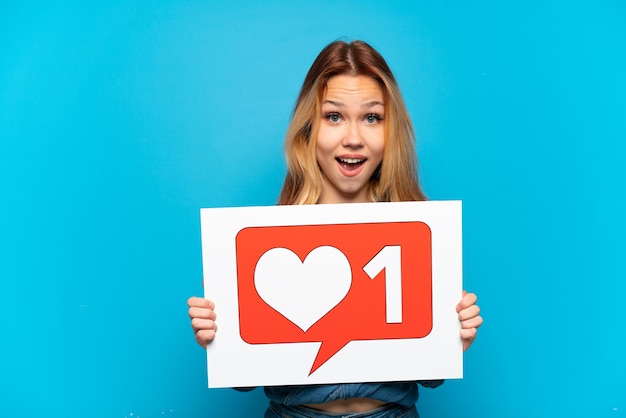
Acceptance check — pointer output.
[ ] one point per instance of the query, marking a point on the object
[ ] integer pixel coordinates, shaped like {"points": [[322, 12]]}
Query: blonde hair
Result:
{"points": [[395, 179]]}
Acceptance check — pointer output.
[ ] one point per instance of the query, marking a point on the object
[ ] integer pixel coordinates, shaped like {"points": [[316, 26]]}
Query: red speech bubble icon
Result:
{"points": [[334, 284]]}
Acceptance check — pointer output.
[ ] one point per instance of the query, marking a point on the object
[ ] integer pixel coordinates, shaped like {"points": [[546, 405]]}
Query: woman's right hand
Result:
{"points": [[202, 314]]}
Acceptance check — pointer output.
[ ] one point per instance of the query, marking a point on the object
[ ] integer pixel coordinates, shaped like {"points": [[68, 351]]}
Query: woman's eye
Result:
{"points": [[372, 118], [333, 117]]}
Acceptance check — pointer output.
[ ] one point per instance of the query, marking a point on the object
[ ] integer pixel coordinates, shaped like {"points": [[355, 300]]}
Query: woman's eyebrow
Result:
{"points": [[365, 105], [332, 102], [373, 103]]}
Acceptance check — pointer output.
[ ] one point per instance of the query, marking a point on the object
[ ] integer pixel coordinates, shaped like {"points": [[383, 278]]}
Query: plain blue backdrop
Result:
{"points": [[120, 120]]}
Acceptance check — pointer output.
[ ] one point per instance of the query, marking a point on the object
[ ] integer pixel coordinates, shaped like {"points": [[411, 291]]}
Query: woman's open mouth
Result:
{"points": [[350, 166]]}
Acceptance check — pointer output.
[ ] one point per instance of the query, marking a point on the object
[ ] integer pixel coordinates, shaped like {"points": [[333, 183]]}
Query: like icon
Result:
{"points": [[334, 284]]}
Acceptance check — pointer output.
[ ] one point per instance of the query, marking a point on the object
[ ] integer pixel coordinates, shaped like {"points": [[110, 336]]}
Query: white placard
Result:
{"points": [[310, 294]]}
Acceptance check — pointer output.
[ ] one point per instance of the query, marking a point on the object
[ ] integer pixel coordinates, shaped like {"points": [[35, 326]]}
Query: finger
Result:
{"points": [[200, 302], [471, 312], [475, 322], [204, 337], [204, 313], [467, 300], [468, 336], [199, 324]]}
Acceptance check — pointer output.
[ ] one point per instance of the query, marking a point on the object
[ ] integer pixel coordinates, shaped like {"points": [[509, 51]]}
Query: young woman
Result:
{"points": [[350, 140]]}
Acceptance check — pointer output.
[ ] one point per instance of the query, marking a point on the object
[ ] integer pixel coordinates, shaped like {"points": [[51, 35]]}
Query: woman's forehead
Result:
{"points": [[344, 89]]}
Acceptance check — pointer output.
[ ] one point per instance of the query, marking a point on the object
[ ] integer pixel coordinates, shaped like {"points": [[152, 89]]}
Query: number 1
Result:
{"points": [[389, 259]]}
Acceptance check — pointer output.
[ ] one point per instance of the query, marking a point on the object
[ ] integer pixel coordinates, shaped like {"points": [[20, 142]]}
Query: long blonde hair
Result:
{"points": [[395, 179]]}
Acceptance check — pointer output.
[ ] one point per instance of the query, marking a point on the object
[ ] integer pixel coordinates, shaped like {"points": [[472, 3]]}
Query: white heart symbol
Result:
{"points": [[303, 292]]}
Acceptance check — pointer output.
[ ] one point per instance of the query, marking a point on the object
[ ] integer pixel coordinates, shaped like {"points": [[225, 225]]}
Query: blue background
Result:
{"points": [[119, 120]]}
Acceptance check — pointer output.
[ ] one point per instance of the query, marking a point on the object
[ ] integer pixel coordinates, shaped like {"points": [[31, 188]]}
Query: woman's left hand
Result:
{"points": [[469, 315]]}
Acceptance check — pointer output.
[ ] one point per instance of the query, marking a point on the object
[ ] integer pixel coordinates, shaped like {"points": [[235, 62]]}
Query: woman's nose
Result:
{"points": [[353, 137]]}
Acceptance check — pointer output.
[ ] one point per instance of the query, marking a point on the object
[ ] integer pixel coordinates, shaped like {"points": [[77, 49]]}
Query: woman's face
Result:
{"points": [[351, 137]]}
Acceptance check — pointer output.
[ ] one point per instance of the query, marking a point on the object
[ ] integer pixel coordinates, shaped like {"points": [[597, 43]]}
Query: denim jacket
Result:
{"points": [[402, 393]]}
